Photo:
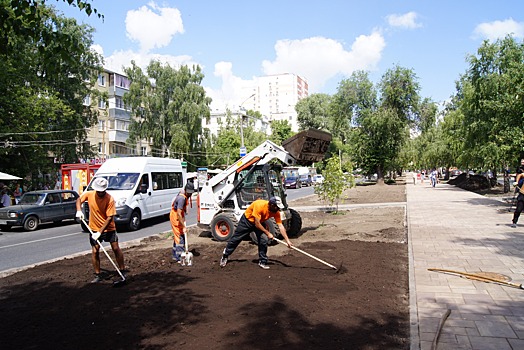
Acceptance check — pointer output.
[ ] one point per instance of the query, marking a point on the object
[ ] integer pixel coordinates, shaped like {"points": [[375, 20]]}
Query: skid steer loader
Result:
{"points": [[224, 198]]}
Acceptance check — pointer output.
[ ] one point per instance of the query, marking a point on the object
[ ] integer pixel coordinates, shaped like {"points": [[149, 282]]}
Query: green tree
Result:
{"points": [[313, 112], [168, 105], [490, 97], [334, 184], [44, 78], [280, 131]]}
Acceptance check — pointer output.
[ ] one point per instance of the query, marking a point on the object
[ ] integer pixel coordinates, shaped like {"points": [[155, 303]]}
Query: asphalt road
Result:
{"points": [[19, 248]]}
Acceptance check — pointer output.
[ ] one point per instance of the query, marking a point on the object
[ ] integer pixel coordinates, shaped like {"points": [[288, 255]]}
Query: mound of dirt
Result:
{"points": [[298, 303]]}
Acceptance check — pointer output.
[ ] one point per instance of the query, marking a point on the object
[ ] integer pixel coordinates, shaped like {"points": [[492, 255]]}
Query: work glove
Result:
{"points": [[80, 215], [95, 235], [515, 184]]}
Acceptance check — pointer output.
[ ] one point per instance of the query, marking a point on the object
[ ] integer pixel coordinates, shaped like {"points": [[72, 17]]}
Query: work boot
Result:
{"points": [[97, 278], [223, 261], [263, 266]]}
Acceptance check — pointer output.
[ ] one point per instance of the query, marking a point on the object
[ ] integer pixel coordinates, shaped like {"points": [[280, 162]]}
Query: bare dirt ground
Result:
{"points": [[298, 303]]}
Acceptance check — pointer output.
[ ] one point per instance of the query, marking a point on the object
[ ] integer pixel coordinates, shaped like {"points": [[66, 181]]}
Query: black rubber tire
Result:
{"points": [[295, 224], [31, 223], [223, 226], [134, 221], [272, 227]]}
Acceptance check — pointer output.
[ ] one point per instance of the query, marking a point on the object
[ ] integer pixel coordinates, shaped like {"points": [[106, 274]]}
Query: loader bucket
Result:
{"points": [[308, 146]]}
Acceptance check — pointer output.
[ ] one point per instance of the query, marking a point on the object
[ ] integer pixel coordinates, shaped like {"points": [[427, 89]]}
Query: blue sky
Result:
{"points": [[322, 41]]}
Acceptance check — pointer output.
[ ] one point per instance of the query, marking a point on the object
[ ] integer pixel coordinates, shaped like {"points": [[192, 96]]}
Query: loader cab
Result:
{"points": [[262, 182]]}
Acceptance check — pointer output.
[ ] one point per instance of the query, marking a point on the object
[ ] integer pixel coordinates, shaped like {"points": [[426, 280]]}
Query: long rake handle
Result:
{"points": [[478, 277], [305, 253], [105, 251]]}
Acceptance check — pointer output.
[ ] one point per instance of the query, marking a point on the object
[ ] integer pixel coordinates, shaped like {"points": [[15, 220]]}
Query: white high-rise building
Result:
{"points": [[275, 96]]}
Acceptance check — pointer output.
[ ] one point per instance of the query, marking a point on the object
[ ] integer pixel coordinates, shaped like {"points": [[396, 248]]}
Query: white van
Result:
{"points": [[143, 187]]}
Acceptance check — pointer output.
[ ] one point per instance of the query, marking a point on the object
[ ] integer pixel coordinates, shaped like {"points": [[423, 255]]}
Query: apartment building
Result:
{"points": [[275, 96], [111, 134]]}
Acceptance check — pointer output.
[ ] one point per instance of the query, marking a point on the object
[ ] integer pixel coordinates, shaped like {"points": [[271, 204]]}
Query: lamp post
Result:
{"points": [[242, 147]]}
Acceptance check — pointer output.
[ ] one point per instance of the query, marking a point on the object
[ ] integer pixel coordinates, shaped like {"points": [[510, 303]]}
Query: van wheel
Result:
{"points": [[134, 221], [223, 226], [31, 223]]}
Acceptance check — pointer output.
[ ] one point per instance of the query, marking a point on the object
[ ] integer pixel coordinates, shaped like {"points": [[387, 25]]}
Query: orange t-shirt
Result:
{"points": [[100, 208], [260, 209]]}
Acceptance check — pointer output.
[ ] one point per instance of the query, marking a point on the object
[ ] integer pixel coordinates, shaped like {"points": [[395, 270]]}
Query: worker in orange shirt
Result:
{"points": [[177, 217], [101, 211], [252, 220]]}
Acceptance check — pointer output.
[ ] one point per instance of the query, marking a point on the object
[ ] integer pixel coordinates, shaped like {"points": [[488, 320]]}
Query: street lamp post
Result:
{"points": [[242, 146]]}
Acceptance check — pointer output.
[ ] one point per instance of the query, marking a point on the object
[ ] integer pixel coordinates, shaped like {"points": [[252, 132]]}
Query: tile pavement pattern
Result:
{"points": [[454, 229]]}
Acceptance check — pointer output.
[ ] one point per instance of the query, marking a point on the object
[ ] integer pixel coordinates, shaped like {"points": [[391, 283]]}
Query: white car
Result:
{"points": [[318, 179]]}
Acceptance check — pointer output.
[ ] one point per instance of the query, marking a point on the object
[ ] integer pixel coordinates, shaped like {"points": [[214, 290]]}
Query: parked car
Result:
{"points": [[305, 180], [318, 179], [292, 182], [37, 207]]}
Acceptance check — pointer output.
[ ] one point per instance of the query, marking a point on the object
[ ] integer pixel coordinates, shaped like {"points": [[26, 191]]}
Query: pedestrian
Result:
{"points": [[177, 217], [5, 200], [519, 184], [17, 193], [433, 177], [414, 175], [252, 220], [102, 210]]}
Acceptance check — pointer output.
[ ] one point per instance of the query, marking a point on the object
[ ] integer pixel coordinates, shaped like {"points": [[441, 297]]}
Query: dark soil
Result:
{"points": [[298, 303]]}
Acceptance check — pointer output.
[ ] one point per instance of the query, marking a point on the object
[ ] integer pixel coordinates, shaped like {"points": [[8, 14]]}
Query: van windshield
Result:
{"points": [[119, 181]]}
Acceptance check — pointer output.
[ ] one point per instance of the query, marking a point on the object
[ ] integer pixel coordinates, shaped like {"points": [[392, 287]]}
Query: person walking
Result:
{"points": [[433, 177], [414, 175], [519, 184], [177, 217], [5, 200], [102, 209], [252, 220], [17, 193]]}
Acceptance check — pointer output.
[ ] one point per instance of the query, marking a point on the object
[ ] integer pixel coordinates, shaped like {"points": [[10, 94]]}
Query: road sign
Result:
{"points": [[243, 151]]}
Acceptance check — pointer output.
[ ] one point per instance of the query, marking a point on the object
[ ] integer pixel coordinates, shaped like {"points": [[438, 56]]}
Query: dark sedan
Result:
{"points": [[292, 182], [37, 207]]}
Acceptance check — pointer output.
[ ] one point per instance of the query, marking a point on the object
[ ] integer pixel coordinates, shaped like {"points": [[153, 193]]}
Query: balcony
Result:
{"points": [[118, 135]]}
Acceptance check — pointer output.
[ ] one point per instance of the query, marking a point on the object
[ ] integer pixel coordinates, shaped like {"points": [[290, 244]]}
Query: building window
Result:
{"points": [[101, 125], [101, 80], [100, 147], [119, 102], [87, 100], [143, 151], [101, 103]]}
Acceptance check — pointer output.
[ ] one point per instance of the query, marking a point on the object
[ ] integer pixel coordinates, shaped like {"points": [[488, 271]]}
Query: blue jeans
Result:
{"points": [[244, 228], [178, 249]]}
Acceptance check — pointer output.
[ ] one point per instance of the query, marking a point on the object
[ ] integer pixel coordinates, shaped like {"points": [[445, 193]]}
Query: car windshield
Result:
{"points": [[32, 198], [119, 181]]}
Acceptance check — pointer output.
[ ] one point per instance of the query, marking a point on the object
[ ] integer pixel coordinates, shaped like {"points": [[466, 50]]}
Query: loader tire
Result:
{"points": [[272, 227], [223, 226], [295, 225]]}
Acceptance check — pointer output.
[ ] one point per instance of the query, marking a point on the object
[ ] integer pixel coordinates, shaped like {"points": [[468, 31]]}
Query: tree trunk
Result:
{"points": [[380, 176]]}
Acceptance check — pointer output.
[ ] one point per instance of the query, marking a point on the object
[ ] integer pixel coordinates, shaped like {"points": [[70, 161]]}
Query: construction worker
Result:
{"points": [[177, 216], [101, 211], [252, 220]]}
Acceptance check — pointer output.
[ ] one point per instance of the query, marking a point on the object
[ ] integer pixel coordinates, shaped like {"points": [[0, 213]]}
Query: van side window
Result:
{"points": [[167, 180], [143, 181]]}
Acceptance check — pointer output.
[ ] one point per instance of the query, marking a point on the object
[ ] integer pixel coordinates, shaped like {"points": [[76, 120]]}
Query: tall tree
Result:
{"points": [[280, 131], [313, 112], [169, 105], [491, 99], [44, 78]]}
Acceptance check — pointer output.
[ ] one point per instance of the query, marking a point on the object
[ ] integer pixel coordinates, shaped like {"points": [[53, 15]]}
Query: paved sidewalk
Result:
{"points": [[454, 229]]}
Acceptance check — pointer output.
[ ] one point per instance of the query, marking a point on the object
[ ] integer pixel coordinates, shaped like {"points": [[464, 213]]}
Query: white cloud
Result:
{"points": [[120, 59], [98, 49], [153, 26], [408, 20], [499, 29], [319, 59]]}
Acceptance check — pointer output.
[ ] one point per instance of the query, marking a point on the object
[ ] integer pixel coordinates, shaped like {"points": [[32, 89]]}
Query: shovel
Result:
{"points": [[115, 283], [187, 256], [307, 254]]}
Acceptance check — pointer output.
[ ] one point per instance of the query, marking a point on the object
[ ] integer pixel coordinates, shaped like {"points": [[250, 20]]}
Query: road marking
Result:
{"points": [[38, 240]]}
